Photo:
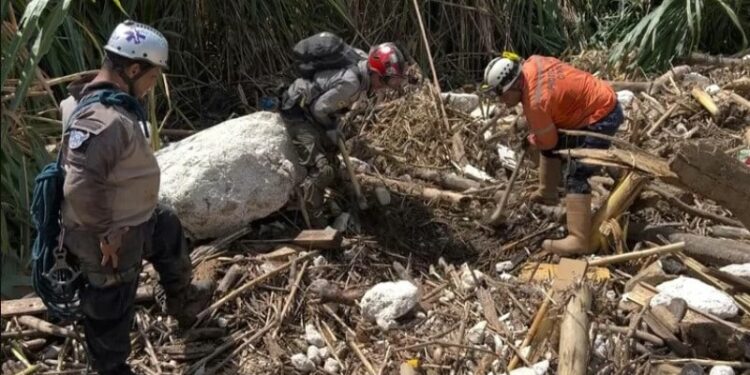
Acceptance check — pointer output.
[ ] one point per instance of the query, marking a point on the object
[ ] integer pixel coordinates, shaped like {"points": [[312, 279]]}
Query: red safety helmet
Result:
{"points": [[386, 60]]}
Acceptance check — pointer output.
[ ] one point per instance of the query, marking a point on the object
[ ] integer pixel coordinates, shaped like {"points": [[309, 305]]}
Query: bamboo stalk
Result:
{"points": [[619, 258], [618, 202], [705, 100], [574, 338]]}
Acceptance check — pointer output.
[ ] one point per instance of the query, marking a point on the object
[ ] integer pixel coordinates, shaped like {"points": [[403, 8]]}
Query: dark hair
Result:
{"points": [[116, 62]]}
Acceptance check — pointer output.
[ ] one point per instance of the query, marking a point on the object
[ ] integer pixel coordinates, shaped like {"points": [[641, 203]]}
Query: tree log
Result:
{"points": [[411, 188], [574, 338], [45, 326], [708, 171], [446, 180], [713, 251], [696, 58], [654, 86]]}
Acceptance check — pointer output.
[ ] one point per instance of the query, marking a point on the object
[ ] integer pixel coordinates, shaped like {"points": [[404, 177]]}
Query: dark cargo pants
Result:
{"points": [[317, 154], [576, 174], [107, 301]]}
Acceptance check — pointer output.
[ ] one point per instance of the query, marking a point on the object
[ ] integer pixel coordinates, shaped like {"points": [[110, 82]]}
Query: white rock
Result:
{"points": [[230, 174], [506, 276], [699, 296], [739, 270], [313, 354], [611, 295], [302, 363], [469, 282], [712, 89], [460, 101], [332, 366], [386, 302], [507, 156], [324, 352], [697, 78], [319, 261], [483, 111], [503, 266], [498, 342], [625, 97], [746, 57], [475, 335], [313, 337], [601, 346], [721, 370], [539, 368]]}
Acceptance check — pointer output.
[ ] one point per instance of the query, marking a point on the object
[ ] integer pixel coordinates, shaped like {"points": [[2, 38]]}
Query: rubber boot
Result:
{"points": [[185, 304], [549, 178], [579, 227]]}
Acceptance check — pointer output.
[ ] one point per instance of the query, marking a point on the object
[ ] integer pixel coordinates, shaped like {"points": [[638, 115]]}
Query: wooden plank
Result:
{"points": [[548, 271], [326, 239], [666, 334], [490, 311], [569, 272], [34, 305]]}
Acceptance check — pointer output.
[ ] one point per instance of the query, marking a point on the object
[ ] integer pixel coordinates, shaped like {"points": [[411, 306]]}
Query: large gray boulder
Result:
{"points": [[224, 177]]}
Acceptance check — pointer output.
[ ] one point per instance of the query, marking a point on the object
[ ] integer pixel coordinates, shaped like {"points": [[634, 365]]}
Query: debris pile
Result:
{"points": [[420, 284]]}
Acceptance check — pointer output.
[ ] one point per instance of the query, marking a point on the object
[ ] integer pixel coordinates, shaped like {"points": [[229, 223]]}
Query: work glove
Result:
{"points": [[110, 247]]}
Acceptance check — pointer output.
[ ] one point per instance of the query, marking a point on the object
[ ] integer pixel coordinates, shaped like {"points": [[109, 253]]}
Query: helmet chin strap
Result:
{"points": [[131, 81]]}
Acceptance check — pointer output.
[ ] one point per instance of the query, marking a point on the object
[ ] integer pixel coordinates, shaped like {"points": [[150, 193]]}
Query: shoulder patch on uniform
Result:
{"points": [[77, 138]]}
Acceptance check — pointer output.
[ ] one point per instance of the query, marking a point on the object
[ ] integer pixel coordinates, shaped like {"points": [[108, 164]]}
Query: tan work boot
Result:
{"points": [[579, 227], [549, 178]]}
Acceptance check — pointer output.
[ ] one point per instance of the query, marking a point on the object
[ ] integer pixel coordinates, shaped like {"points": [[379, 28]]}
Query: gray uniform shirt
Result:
{"points": [[334, 91]]}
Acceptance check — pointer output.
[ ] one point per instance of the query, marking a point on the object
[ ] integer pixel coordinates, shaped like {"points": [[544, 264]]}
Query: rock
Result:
{"points": [[503, 266], [678, 308], [475, 335], [625, 97], [324, 352], [313, 337], [388, 301], [712, 89], [602, 346], [539, 368], [692, 369], [721, 370], [383, 195], [739, 270], [332, 366], [313, 354], [654, 274], [506, 276], [460, 102], [696, 79], [698, 295], [320, 261], [483, 111], [226, 176], [302, 363], [469, 282]]}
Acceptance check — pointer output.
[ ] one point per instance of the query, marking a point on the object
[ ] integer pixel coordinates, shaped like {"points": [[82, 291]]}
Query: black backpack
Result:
{"points": [[323, 51]]}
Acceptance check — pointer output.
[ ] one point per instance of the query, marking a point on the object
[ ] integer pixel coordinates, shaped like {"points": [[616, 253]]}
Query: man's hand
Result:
{"points": [[110, 246], [529, 141]]}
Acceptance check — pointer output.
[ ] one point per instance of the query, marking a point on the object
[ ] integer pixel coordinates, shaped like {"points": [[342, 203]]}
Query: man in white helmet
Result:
{"points": [[110, 216], [556, 96]]}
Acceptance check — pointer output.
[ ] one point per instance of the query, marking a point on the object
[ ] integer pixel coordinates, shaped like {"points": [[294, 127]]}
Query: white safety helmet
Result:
{"points": [[141, 42], [502, 72]]}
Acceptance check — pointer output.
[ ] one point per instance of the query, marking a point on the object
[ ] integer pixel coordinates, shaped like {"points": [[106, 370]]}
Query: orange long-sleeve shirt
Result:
{"points": [[557, 95]]}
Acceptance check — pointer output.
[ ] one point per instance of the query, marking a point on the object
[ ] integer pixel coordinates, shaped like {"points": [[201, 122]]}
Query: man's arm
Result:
{"points": [[543, 130], [327, 106]]}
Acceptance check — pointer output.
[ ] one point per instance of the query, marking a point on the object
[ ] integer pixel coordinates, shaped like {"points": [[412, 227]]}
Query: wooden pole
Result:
{"points": [[574, 338], [438, 100], [497, 215]]}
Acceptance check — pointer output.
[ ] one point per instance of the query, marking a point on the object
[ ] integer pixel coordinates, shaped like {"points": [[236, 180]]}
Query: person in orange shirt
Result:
{"points": [[556, 96]]}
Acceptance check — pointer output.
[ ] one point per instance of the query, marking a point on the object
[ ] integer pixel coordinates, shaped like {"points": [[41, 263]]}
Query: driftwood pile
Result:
{"points": [[479, 299]]}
